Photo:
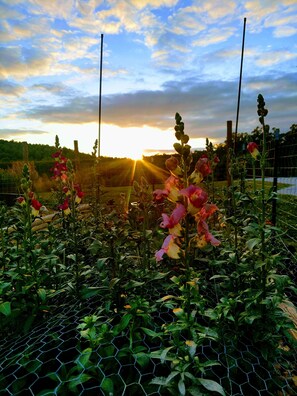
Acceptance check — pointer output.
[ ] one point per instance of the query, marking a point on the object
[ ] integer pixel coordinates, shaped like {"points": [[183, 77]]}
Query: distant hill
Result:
{"points": [[17, 151]]}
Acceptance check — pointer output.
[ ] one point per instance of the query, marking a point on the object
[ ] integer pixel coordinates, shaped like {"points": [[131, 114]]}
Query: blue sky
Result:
{"points": [[160, 57]]}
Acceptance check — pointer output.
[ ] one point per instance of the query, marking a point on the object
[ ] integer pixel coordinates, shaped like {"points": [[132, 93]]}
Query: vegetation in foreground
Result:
{"points": [[186, 284]]}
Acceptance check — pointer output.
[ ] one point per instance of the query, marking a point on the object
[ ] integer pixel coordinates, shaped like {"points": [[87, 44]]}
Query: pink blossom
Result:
{"points": [[196, 197], [203, 166], [169, 247], [172, 222], [203, 230], [159, 195], [172, 184]]}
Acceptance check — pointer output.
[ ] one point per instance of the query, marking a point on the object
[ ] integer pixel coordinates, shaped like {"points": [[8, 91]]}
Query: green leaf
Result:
{"points": [[3, 286], [162, 354], [212, 386], [5, 308], [91, 291], [159, 381], [151, 333], [133, 283], [107, 386], [195, 391], [78, 380], [122, 325], [168, 297], [84, 357], [158, 275], [251, 243], [142, 359], [42, 294], [181, 387]]}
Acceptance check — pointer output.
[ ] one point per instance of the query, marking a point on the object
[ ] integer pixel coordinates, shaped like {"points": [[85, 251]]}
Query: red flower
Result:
{"points": [[21, 200], [79, 195], [35, 206], [65, 207], [253, 148]]}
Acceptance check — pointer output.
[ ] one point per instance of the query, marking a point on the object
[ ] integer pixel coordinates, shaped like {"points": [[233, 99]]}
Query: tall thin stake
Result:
{"points": [[239, 87], [100, 95]]}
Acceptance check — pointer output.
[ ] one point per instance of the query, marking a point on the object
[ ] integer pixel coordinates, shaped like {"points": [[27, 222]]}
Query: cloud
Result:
{"points": [[205, 106], [285, 31], [9, 134], [214, 36], [274, 57], [8, 88], [21, 62]]}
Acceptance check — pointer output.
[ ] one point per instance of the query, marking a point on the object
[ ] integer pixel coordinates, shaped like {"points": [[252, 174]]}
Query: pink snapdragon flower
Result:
{"points": [[253, 149], [159, 195], [203, 166], [172, 184], [172, 222], [169, 247], [204, 234], [196, 198]]}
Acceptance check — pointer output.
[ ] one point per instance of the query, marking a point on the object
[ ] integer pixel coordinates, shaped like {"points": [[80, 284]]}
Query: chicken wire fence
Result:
{"points": [[281, 171], [52, 359]]}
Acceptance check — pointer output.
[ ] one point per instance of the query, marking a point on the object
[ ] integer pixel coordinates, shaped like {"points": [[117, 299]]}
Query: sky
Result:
{"points": [[159, 57]]}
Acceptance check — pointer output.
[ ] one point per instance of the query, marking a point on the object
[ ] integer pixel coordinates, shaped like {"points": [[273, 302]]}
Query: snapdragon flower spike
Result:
{"points": [[253, 149], [169, 247], [35, 207], [173, 222], [197, 197]]}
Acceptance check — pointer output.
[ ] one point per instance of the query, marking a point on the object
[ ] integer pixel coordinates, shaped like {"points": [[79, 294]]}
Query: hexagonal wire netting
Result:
{"points": [[41, 361]]}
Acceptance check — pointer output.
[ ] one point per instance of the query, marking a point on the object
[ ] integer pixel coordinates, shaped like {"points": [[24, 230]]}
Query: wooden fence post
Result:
{"points": [[76, 155]]}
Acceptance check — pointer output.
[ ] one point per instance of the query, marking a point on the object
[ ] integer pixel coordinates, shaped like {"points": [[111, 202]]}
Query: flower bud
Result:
{"points": [[252, 147], [178, 147]]}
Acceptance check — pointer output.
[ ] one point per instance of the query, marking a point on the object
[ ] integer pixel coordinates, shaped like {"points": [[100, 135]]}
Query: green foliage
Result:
{"points": [[149, 313]]}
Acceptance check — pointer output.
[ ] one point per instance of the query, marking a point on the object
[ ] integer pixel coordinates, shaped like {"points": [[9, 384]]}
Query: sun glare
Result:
{"points": [[136, 155]]}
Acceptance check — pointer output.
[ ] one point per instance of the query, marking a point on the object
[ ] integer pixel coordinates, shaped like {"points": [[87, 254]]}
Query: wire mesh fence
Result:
{"points": [[52, 359]]}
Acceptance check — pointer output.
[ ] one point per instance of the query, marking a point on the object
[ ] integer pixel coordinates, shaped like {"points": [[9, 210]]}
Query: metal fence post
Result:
{"points": [[275, 174]]}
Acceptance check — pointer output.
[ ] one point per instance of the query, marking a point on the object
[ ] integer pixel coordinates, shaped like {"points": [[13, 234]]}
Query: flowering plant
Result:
{"points": [[183, 189]]}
